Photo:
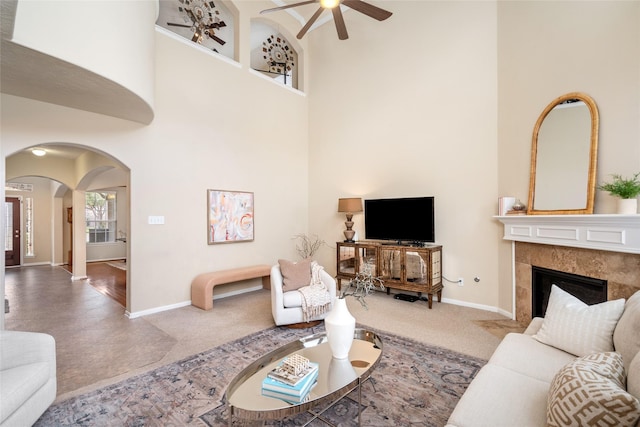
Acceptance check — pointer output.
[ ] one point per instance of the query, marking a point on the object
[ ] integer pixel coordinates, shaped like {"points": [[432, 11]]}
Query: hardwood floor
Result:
{"points": [[108, 280]]}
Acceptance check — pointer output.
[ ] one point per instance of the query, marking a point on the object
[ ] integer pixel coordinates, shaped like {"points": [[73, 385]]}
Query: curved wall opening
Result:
{"points": [[57, 184]]}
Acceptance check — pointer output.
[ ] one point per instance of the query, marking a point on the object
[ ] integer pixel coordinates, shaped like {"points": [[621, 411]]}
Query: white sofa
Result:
{"points": [[27, 376], [513, 388]]}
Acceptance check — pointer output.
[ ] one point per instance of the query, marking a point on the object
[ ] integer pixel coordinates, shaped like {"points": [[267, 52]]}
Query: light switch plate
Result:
{"points": [[156, 220]]}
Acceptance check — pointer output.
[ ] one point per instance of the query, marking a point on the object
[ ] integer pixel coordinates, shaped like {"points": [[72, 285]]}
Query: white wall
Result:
{"points": [[438, 100], [547, 49], [441, 99], [408, 107], [217, 126], [95, 36]]}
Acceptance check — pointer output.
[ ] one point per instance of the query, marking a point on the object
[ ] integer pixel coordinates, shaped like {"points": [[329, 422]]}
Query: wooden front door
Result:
{"points": [[12, 232]]}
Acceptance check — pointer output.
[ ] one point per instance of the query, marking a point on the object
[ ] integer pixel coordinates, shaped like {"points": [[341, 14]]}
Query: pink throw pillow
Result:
{"points": [[295, 274]]}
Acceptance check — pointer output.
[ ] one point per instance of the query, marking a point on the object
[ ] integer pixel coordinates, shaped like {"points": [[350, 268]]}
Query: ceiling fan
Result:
{"points": [[358, 5]]}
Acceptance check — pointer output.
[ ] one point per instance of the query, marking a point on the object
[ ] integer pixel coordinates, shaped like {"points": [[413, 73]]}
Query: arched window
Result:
{"points": [[272, 54], [208, 23]]}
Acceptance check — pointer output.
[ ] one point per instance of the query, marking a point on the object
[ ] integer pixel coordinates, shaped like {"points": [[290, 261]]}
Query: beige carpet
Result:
{"points": [[97, 344], [500, 327]]}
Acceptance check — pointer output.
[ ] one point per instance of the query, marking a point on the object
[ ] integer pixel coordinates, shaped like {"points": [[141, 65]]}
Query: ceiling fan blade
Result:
{"points": [[340, 26], [310, 22], [287, 6], [216, 38], [368, 9], [216, 25], [179, 25]]}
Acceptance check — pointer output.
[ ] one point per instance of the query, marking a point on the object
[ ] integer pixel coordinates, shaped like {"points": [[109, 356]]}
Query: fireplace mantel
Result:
{"points": [[617, 233]]}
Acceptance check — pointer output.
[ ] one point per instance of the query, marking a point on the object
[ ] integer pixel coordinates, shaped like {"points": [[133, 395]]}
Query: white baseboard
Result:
{"points": [[187, 303], [33, 264], [478, 306], [156, 310], [257, 288], [506, 313]]}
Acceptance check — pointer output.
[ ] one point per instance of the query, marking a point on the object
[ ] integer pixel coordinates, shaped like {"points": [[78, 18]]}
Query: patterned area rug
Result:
{"points": [[414, 384]]}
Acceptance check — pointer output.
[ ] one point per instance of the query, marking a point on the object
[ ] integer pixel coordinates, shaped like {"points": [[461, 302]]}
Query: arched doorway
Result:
{"points": [[58, 185]]}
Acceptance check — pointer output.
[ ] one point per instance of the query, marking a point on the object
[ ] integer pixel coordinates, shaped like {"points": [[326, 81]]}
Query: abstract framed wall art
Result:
{"points": [[229, 216]]}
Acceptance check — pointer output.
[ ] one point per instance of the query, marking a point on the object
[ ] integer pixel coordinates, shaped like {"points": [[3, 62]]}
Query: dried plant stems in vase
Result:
{"points": [[307, 246], [362, 285]]}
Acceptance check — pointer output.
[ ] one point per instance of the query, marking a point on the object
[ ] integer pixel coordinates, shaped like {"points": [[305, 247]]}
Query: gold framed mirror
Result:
{"points": [[563, 157]]}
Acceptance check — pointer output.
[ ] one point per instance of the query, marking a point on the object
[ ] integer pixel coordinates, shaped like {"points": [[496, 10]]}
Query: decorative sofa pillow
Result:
{"points": [[589, 392], [626, 337], [295, 274], [577, 328]]}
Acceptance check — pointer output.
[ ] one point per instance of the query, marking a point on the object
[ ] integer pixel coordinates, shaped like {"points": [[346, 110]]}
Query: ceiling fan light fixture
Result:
{"points": [[329, 4], [358, 5]]}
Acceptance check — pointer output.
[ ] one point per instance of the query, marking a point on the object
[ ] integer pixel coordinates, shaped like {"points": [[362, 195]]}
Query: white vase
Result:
{"points": [[340, 326], [628, 206], [340, 373]]}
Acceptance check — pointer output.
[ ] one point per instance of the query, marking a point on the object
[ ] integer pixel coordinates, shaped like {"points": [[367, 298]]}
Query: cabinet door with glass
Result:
{"points": [[354, 258], [391, 264], [409, 268]]}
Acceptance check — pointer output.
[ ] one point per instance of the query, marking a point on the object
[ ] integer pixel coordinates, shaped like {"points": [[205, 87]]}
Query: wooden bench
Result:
{"points": [[202, 285]]}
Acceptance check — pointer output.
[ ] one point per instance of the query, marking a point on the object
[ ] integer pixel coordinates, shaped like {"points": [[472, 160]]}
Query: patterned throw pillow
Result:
{"points": [[577, 328], [589, 392], [295, 274]]}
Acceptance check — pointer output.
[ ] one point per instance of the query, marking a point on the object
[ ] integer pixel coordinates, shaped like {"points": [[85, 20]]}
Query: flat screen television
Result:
{"points": [[404, 220]]}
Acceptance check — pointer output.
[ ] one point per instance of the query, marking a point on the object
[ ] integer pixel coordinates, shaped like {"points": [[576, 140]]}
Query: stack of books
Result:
{"points": [[291, 380]]}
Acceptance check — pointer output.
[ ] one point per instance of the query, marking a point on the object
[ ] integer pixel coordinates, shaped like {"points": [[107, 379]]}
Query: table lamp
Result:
{"points": [[349, 206]]}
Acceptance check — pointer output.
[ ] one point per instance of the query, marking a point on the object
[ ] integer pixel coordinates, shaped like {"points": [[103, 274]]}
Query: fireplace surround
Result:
{"points": [[587, 289], [620, 270], [605, 247]]}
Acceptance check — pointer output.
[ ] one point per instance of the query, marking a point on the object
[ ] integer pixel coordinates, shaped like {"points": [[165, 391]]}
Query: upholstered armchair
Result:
{"points": [[286, 305], [27, 376]]}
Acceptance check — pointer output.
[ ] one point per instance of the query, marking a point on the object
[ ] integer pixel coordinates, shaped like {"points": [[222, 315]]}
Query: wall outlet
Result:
{"points": [[460, 281]]}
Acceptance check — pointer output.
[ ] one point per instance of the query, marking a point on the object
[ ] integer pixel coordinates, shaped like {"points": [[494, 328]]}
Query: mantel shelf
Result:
{"points": [[608, 232]]}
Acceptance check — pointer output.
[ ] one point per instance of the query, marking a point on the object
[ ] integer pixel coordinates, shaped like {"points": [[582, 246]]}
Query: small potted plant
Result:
{"points": [[627, 191]]}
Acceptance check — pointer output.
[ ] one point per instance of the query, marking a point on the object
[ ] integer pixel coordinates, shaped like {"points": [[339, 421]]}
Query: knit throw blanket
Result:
{"points": [[316, 299]]}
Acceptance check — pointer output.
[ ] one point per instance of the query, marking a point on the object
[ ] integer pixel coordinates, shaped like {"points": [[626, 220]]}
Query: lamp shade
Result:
{"points": [[352, 204]]}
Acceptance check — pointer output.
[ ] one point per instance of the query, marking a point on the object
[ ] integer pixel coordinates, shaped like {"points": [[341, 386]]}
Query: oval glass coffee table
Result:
{"points": [[336, 378]]}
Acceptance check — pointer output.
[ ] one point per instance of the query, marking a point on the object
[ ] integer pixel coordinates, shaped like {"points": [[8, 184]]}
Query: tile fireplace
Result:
{"points": [[601, 247], [621, 271], [587, 289]]}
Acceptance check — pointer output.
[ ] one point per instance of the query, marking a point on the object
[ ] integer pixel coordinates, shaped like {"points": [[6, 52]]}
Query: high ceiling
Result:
{"points": [[31, 74]]}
